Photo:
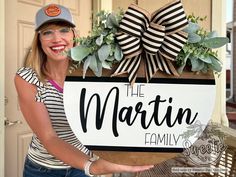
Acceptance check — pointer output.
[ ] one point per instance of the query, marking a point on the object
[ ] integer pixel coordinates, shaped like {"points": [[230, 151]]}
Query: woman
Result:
{"points": [[54, 149]]}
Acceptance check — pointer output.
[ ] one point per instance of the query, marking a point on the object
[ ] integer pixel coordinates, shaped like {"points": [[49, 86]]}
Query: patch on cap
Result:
{"points": [[52, 10]]}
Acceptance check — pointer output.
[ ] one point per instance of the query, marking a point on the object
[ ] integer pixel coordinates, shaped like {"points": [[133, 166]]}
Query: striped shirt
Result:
{"points": [[52, 97]]}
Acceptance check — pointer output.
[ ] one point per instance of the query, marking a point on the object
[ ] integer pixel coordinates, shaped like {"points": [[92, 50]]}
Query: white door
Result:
{"points": [[19, 25]]}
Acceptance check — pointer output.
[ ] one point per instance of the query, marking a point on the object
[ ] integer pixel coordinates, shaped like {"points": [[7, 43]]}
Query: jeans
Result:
{"points": [[31, 169]]}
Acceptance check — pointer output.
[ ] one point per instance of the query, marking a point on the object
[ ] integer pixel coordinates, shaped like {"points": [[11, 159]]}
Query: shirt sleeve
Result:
{"points": [[30, 76]]}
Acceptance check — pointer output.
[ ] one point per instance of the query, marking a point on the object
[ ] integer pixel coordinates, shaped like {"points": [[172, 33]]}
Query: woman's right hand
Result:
{"points": [[101, 167]]}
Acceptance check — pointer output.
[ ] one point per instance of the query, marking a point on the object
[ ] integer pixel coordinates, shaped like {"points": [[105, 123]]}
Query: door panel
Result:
{"points": [[23, 143], [190, 6], [26, 33], [123, 4], [19, 25]]}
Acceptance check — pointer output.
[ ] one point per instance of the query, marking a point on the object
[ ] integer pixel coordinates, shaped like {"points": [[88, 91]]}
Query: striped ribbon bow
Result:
{"points": [[157, 38]]}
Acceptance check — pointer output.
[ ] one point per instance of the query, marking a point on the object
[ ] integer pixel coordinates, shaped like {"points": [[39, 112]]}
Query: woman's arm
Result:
{"points": [[37, 117]]}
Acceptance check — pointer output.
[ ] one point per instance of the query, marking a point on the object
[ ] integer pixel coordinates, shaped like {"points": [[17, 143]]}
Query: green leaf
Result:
{"points": [[185, 48], [106, 65], [96, 66], [104, 52], [118, 53], [212, 34], [205, 58], [194, 38], [197, 65], [78, 53], [99, 40], [215, 42], [216, 65], [93, 63], [110, 59], [111, 21], [192, 28], [205, 69], [181, 68], [86, 64]]}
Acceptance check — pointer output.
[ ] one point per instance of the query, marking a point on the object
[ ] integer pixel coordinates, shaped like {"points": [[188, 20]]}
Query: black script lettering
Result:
{"points": [[168, 115], [155, 114], [99, 114], [127, 111], [128, 114], [170, 122], [181, 114]]}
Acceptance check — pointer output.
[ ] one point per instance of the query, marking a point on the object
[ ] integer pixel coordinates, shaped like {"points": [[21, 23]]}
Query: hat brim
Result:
{"points": [[55, 20]]}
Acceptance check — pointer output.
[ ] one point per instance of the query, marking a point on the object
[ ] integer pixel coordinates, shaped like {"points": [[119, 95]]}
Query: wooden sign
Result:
{"points": [[114, 119]]}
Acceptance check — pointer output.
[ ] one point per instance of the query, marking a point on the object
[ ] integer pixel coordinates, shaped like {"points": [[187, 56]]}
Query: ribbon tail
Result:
{"points": [[164, 64], [158, 62], [151, 66], [130, 66]]}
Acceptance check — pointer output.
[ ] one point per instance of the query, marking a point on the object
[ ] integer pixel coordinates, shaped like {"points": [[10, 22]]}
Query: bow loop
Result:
{"points": [[156, 38], [172, 44], [135, 21], [129, 45], [172, 16]]}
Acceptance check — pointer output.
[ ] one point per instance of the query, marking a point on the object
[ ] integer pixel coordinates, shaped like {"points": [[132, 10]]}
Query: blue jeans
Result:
{"points": [[31, 169]]}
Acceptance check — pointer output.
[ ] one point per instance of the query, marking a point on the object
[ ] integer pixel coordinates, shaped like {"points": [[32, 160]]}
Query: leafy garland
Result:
{"points": [[101, 50], [197, 52]]}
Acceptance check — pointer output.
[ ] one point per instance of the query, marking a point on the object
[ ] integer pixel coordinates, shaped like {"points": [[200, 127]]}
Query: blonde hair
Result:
{"points": [[36, 58]]}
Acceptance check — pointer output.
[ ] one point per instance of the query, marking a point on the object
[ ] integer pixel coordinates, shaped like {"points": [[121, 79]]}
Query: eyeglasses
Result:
{"points": [[48, 34]]}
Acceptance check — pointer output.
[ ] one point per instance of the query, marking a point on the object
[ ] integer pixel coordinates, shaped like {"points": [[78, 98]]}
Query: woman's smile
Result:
{"points": [[58, 48]]}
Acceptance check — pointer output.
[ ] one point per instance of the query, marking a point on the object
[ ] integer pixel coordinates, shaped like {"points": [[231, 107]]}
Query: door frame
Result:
{"points": [[219, 24], [2, 85]]}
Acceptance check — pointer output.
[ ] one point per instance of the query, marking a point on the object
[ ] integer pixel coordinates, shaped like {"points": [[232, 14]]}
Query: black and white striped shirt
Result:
{"points": [[53, 100]]}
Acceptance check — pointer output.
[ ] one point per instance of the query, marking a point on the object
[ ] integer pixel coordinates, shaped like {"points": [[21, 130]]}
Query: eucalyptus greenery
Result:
{"points": [[197, 52], [100, 49]]}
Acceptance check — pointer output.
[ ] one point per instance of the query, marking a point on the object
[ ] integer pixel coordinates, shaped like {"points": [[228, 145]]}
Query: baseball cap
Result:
{"points": [[53, 13]]}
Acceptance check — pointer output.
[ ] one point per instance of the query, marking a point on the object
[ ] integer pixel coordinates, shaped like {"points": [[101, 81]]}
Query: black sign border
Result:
{"points": [[142, 80]]}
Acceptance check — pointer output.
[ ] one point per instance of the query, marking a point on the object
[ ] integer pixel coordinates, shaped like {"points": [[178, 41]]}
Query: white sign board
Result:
{"points": [[108, 114]]}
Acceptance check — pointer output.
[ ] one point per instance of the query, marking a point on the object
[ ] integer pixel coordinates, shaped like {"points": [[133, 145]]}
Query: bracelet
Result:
{"points": [[88, 164]]}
